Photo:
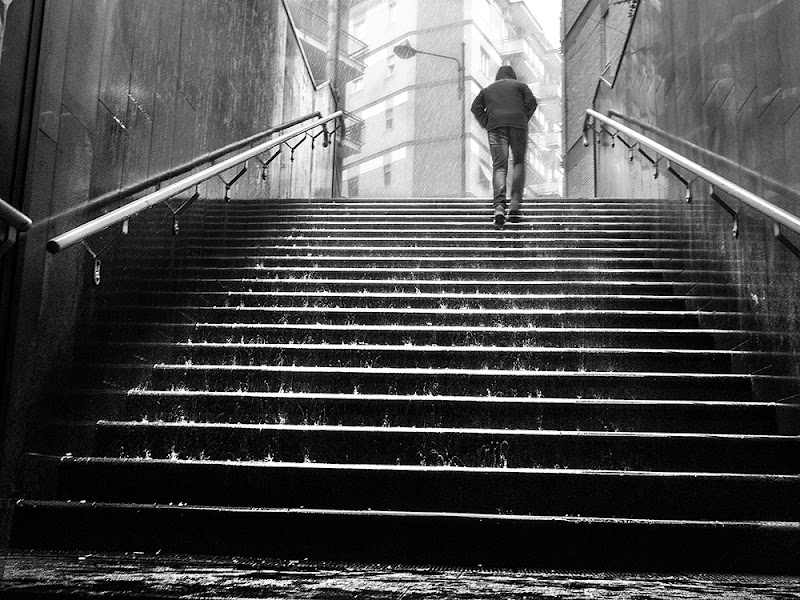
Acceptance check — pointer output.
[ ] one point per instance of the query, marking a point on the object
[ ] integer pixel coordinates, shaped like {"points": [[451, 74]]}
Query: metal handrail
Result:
{"points": [[16, 219], [80, 233], [769, 182], [766, 208], [160, 178]]}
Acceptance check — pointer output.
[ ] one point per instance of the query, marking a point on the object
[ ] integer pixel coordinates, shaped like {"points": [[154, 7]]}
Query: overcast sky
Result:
{"points": [[548, 13]]}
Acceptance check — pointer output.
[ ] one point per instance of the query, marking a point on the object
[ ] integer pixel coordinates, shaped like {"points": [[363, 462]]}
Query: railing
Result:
{"points": [[354, 129], [160, 178], [768, 182], [122, 214], [778, 216], [16, 219]]}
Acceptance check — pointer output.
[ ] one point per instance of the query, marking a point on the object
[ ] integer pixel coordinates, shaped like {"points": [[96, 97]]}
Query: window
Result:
{"points": [[389, 118], [352, 187], [387, 174], [390, 65], [485, 63], [358, 84]]}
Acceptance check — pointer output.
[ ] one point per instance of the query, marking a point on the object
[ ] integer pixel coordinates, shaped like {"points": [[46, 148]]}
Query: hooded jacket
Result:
{"points": [[504, 103]]}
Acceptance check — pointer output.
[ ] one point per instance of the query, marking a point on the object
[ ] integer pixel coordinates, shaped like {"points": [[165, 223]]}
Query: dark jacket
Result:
{"points": [[504, 103]]}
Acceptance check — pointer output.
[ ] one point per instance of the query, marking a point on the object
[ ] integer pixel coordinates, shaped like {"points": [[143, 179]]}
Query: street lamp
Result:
{"points": [[405, 50]]}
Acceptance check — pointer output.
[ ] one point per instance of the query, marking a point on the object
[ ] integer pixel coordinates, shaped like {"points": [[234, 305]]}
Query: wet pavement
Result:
{"points": [[136, 575]]}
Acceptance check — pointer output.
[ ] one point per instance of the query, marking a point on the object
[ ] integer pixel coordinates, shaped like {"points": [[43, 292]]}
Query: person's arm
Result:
{"points": [[529, 101], [479, 110]]}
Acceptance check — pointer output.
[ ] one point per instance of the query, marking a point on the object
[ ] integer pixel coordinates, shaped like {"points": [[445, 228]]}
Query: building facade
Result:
{"points": [[417, 124]]}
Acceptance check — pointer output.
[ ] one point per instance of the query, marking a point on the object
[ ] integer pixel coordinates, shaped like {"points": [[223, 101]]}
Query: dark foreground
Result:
{"points": [[39, 575]]}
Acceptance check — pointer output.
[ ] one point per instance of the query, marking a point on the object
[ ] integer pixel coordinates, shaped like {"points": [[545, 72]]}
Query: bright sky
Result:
{"points": [[548, 13]]}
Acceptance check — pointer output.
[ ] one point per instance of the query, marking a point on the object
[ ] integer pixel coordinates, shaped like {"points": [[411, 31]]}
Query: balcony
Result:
{"points": [[312, 29], [353, 138], [550, 140], [518, 52], [547, 92]]}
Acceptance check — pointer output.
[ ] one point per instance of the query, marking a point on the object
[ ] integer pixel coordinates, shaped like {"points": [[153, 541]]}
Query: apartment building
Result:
{"points": [[417, 125]]}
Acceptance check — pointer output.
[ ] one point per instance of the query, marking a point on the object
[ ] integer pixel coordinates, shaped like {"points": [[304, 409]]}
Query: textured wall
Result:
{"points": [[723, 75], [595, 35], [127, 89]]}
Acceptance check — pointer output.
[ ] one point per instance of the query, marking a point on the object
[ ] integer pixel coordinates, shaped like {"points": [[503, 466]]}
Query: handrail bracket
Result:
{"points": [[776, 230], [683, 180], [295, 147], [731, 211], [230, 184], [176, 212], [266, 163], [630, 147], [653, 161], [123, 231]]}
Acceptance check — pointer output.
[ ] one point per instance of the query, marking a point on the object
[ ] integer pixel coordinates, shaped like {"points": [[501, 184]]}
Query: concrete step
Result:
{"points": [[375, 353], [357, 224], [208, 294], [398, 267], [435, 446], [515, 318], [542, 492], [499, 241], [255, 203], [380, 380], [558, 414], [447, 215], [575, 231], [416, 538], [548, 282], [433, 207], [456, 247], [402, 260], [441, 335]]}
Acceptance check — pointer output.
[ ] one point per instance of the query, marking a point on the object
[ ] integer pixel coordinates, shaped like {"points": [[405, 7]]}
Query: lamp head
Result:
{"points": [[405, 50]]}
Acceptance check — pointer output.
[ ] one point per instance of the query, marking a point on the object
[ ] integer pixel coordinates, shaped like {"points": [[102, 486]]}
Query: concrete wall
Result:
{"points": [[718, 81], [595, 32], [125, 90]]}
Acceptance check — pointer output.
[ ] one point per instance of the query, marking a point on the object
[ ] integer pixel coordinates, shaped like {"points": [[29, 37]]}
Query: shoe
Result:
{"points": [[499, 217], [514, 214]]}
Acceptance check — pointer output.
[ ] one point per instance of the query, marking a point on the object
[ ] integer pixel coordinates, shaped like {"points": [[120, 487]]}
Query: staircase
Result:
{"points": [[398, 381]]}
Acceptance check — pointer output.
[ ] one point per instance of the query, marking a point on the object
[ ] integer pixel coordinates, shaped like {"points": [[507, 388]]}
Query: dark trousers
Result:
{"points": [[500, 140]]}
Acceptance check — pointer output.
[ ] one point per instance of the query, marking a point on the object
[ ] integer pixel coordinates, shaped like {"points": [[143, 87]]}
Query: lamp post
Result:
{"points": [[404, 51]]}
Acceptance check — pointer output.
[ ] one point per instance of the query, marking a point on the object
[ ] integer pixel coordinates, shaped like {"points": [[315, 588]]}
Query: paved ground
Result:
{"points": [[148, 576]]}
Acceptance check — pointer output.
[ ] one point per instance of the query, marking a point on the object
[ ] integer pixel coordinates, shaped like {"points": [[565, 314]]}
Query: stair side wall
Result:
{"points": [[126, 90], [723, 76]]}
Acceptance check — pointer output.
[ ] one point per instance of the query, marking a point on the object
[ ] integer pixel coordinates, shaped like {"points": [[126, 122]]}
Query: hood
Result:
{"points": [[505, 72]]}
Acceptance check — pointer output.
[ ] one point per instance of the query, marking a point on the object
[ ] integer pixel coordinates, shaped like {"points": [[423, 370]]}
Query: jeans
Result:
{"points": [[499, 141]]}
